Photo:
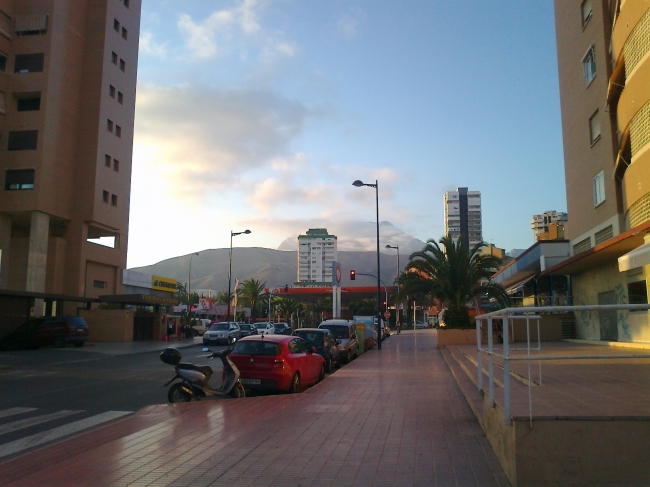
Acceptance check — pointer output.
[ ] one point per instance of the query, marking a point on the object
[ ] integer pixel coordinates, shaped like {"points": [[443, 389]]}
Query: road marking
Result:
{"points": [[33, 421], [11, 411], [58, 432]]}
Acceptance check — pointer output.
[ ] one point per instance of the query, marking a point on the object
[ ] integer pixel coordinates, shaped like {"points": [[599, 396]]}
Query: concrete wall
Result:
{"points": [[108, 325], [550, 329], [454, 336]]}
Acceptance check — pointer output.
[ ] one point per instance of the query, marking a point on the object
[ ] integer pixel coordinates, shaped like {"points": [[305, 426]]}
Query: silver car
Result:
{"points": [[346, 332]]}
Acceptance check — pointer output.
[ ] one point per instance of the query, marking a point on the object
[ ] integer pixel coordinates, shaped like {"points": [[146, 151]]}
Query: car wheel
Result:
{"points": [[328, 365], [78, 344], [178, 393], [295, 384], [59, 342], [321, 376], [195, 333]]}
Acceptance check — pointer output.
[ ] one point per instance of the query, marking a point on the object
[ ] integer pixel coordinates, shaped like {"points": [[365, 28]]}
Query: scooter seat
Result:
{"points": [[204, 369]]}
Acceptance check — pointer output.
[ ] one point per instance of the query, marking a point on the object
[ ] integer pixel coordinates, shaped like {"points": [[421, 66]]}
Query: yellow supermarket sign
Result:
{"points": [[163, 284]]}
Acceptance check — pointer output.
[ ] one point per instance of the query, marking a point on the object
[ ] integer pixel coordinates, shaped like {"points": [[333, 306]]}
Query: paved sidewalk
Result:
{"points": [[390, 418]]}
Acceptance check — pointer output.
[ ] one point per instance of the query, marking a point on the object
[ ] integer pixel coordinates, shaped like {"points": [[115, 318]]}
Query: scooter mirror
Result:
{"points": [[205, 349]]}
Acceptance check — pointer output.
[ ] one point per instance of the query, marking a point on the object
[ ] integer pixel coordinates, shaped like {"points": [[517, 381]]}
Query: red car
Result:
{"points": [[277, 362]]}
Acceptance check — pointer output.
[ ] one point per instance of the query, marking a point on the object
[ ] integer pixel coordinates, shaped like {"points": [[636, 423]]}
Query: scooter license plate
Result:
{"points": [[252, 382]]}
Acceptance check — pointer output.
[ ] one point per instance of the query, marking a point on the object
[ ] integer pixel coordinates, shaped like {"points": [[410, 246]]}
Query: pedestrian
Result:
{"points": [[170, 329], [398, 326], [183, 330]]}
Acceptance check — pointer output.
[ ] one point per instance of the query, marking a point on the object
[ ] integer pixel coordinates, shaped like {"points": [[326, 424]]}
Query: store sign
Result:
{"points": [[163, 284], [336, 274]]}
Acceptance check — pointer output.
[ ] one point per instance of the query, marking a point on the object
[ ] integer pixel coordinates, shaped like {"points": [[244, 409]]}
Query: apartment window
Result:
{"points": [[111, 91], [637, 292], [122, 65], [125, 33], [105, 196], [116, 165], [28, 103], [29, 63], [100, 284], [109, 125], [107, 160], [3, 61], [116, 25], [23, 140], [120, 98], [118, 131], [599, 188], [114, 58], [114, 200], [594, 127], [30, 24], [19, 179], [586, 12], [589, 65]]}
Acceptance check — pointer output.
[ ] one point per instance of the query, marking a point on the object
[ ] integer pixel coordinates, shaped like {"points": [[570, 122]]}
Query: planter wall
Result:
{"points": [[456, 336]]}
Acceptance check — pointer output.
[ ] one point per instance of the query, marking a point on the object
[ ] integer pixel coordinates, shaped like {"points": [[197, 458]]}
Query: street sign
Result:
{"points": [[387, 314]]}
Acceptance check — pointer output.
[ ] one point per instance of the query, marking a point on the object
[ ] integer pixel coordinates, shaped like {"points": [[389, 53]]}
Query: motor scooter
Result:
{"points": [[195, 378]]}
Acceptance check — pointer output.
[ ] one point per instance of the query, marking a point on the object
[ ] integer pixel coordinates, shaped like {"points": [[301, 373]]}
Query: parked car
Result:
{"points": [[325, 343], [282, 328], [200, 326], [222, 333], [265, 328], [346, 332], [247, 330], [277, 362], [54, 330], [420, 324]]}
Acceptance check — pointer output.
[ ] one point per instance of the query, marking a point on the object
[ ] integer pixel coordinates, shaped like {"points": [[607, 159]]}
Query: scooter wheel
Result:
{"points": [[238, 392], [177, 393]]}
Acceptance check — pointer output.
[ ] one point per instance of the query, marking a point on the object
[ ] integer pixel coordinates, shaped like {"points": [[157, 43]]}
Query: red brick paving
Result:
{"points": [[390, 418]]}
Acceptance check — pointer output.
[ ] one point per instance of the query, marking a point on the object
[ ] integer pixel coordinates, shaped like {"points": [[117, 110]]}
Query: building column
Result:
{"points": [[39, 236], [5, 245]]}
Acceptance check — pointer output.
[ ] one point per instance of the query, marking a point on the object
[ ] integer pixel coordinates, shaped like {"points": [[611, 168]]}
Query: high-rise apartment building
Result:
{"points": [[316, 252], [540, 223], [606, 132], [463, 216], [67, 102]]}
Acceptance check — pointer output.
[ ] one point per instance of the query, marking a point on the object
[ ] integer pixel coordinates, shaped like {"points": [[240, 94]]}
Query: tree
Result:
{"points": [[453, 274], [250, 293], [365, 307], [288, 307]]}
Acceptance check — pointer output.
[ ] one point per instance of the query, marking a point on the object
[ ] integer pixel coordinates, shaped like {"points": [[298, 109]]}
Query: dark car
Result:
{"points": [[247, 330], [325, 343], [54, 330], [222, 333], [276, 362], [282, 328]]}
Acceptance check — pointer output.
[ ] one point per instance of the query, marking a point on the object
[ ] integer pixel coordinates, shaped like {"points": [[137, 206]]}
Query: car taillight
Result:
{"points": [[278, 362]]}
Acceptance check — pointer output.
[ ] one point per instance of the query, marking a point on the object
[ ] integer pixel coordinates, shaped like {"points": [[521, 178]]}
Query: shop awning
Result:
{"points": [[635, 258]]}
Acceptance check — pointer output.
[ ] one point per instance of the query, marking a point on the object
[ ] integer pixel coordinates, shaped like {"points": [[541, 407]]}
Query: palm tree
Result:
{"points": [[221, 297], [453, 274], [288, 307], [250, 293]]}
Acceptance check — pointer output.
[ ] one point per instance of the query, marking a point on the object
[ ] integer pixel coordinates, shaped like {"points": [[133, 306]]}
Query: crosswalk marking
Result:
{"points": [[43, 437], [13, 411], [26, 423]]}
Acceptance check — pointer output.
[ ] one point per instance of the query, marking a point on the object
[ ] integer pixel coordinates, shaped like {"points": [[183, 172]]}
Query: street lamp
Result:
{"points": [[398, 274], [189, 277], [358, 184], [232, 234]]}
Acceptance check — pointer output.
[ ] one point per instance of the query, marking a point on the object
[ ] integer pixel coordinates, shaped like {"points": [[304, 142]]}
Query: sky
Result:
{"points": [[259, 114]]}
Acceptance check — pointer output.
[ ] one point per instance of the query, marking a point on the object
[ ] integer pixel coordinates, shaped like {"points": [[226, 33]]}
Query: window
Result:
{"points": [[29, 103], [116, 25], [29, 63], [120, 98], [107, 160], [109, 125], [19, 179], [594, 127], [99, 284], [122, 65], [3, 61], [589, 65], [111, 91], [599, 188], [2, 101], [23, 140], [30, 24], [105, 196], [114, 58], [116, 165], [637, 292], [118, 131], [114, 200], [125, 33], [586, 12]]}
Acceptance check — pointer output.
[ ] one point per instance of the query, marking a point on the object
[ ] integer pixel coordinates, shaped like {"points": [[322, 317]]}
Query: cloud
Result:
{"points": [[349, 22], [150, 47]]}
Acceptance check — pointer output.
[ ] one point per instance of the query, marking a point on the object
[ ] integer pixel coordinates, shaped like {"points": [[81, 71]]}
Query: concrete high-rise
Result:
{"points": [[540, 223], [316, 252], [67, 101], [463, 216]]}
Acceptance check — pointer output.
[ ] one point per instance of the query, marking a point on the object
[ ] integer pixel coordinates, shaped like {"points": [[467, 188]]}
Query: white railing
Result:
{"points": [[507, 316]]}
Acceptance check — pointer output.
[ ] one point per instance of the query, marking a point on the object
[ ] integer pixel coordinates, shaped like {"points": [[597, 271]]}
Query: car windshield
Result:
{"points": [[339, 332], [257, 347], [220, 327], [261, 326], [311, 337], [245, 327], [77, 321]]}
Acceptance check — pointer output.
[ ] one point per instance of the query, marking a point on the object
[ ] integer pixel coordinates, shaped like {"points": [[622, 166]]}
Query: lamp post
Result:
{"points": [[232, 234], [271, 297], [189, 277], [358, 184], [398, 274]]}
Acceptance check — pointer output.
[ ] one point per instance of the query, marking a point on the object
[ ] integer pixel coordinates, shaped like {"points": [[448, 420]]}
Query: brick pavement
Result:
{"points": [[390, 418]]}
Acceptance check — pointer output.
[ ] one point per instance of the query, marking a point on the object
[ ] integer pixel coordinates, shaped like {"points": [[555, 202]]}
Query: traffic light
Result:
{"points": [[353, 275]]}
